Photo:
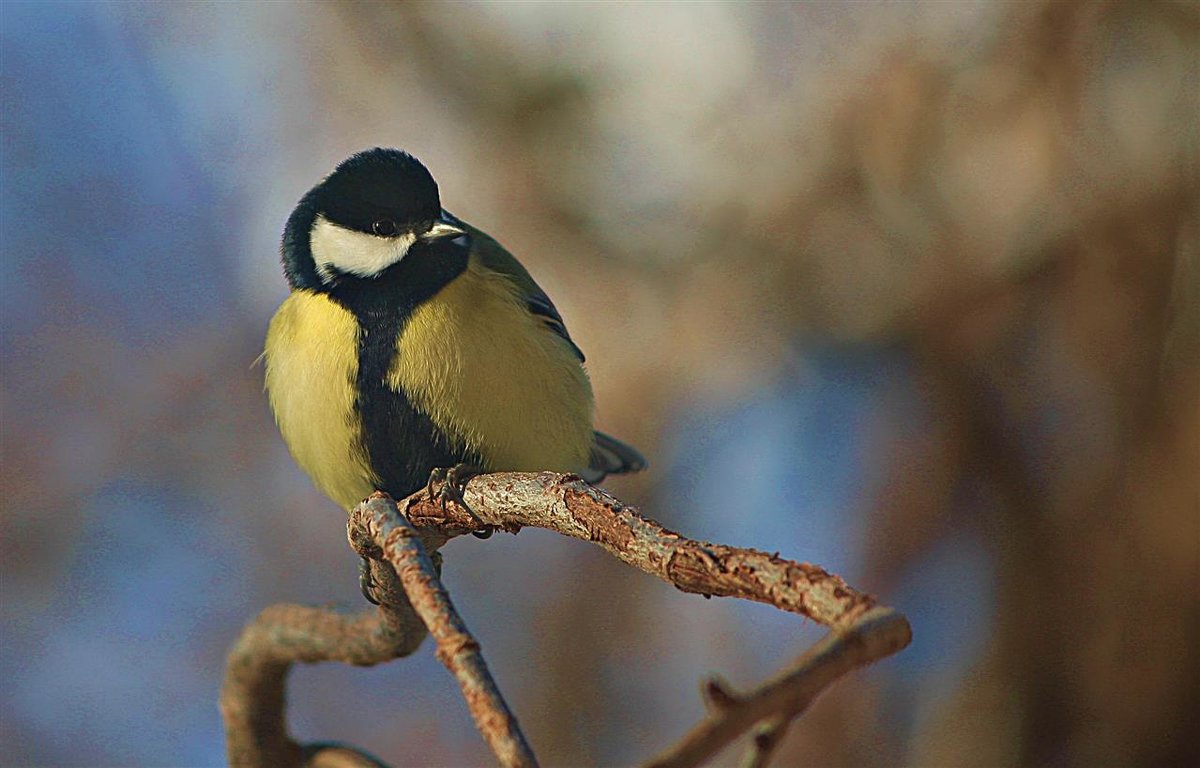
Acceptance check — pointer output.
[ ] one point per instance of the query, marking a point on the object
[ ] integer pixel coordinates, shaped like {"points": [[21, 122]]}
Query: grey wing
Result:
{"points": [[609, 456], [496, 258], [540, 305], [612, 457]]}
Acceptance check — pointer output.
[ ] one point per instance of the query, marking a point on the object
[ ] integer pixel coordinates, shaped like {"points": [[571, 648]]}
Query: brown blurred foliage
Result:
{"points": [[1021, 215], [1012, 200]]}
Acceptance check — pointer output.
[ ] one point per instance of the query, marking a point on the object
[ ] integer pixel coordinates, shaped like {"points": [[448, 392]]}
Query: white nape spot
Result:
{"points": [[355, 253]]}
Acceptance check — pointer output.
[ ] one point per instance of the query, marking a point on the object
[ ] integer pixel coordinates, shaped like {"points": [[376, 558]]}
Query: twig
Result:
{"points": [[863, 632], [878, 634], [252, 693], [456, 648], [252, 697], [765, 740], [568, 505]]}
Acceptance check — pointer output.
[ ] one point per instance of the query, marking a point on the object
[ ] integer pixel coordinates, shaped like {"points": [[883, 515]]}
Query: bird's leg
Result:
{"points": [[453, 482], [436, 477]]}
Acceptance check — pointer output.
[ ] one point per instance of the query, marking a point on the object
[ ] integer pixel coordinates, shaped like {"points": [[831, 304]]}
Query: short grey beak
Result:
{"points": [[441, 230]]}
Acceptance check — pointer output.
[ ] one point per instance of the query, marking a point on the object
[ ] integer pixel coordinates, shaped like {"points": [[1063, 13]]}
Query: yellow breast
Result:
{"points": [[312, 365], [494, 379]]}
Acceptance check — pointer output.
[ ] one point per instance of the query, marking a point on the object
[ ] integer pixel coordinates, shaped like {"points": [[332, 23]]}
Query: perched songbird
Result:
{"points": [[412, 342]]}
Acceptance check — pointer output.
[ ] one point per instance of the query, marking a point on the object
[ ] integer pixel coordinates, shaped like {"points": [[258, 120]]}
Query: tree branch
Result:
{"points": [[878, 634], [456, 648], [568, 505], [766, 739], [252, 693], [405, 543]]}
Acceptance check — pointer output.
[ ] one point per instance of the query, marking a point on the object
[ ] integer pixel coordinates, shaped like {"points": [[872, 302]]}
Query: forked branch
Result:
{"points": [[402, 539]]}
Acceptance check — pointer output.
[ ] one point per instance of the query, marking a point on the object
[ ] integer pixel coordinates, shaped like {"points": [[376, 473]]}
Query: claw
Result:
{"points": [[436, 477], [366, 584], [453, 483]]}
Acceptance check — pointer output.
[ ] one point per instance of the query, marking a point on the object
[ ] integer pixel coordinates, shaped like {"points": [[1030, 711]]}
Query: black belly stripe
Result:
{"points": [[402, 443]]}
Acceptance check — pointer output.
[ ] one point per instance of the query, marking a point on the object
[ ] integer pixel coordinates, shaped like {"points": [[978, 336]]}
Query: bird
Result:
{"points": [[413, 347]]}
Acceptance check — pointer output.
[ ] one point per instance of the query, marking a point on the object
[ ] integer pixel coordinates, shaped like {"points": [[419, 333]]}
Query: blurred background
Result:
{"points": [[911, 291]]}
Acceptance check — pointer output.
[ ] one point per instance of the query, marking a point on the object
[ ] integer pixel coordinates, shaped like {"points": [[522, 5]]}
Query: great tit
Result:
{"points": [[413, 342]]}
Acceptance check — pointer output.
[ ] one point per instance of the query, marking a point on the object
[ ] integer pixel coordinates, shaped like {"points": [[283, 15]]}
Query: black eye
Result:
{"points": [[384, 228]]}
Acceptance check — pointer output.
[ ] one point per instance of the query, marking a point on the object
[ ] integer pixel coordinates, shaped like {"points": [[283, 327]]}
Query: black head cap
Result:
{"points": [[379, 184], [372, 186]]}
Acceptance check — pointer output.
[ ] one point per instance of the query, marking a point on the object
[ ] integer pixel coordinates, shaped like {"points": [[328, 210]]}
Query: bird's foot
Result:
{"points": [[453, 483], [366, 584]]}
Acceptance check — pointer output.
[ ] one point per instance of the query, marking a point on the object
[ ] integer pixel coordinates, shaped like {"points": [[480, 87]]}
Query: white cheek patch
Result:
{"points": [[355, 253]]}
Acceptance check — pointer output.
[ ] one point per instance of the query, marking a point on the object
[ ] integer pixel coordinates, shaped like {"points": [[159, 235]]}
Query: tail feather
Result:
{"points": [[612, 457]]}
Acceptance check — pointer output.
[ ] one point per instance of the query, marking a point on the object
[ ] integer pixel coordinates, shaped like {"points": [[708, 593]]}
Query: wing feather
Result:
{"points": [[496, 258], [612, 457]]}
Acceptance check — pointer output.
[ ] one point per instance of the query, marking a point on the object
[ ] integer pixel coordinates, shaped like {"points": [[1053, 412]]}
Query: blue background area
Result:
{"points": [[129, 158]]}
